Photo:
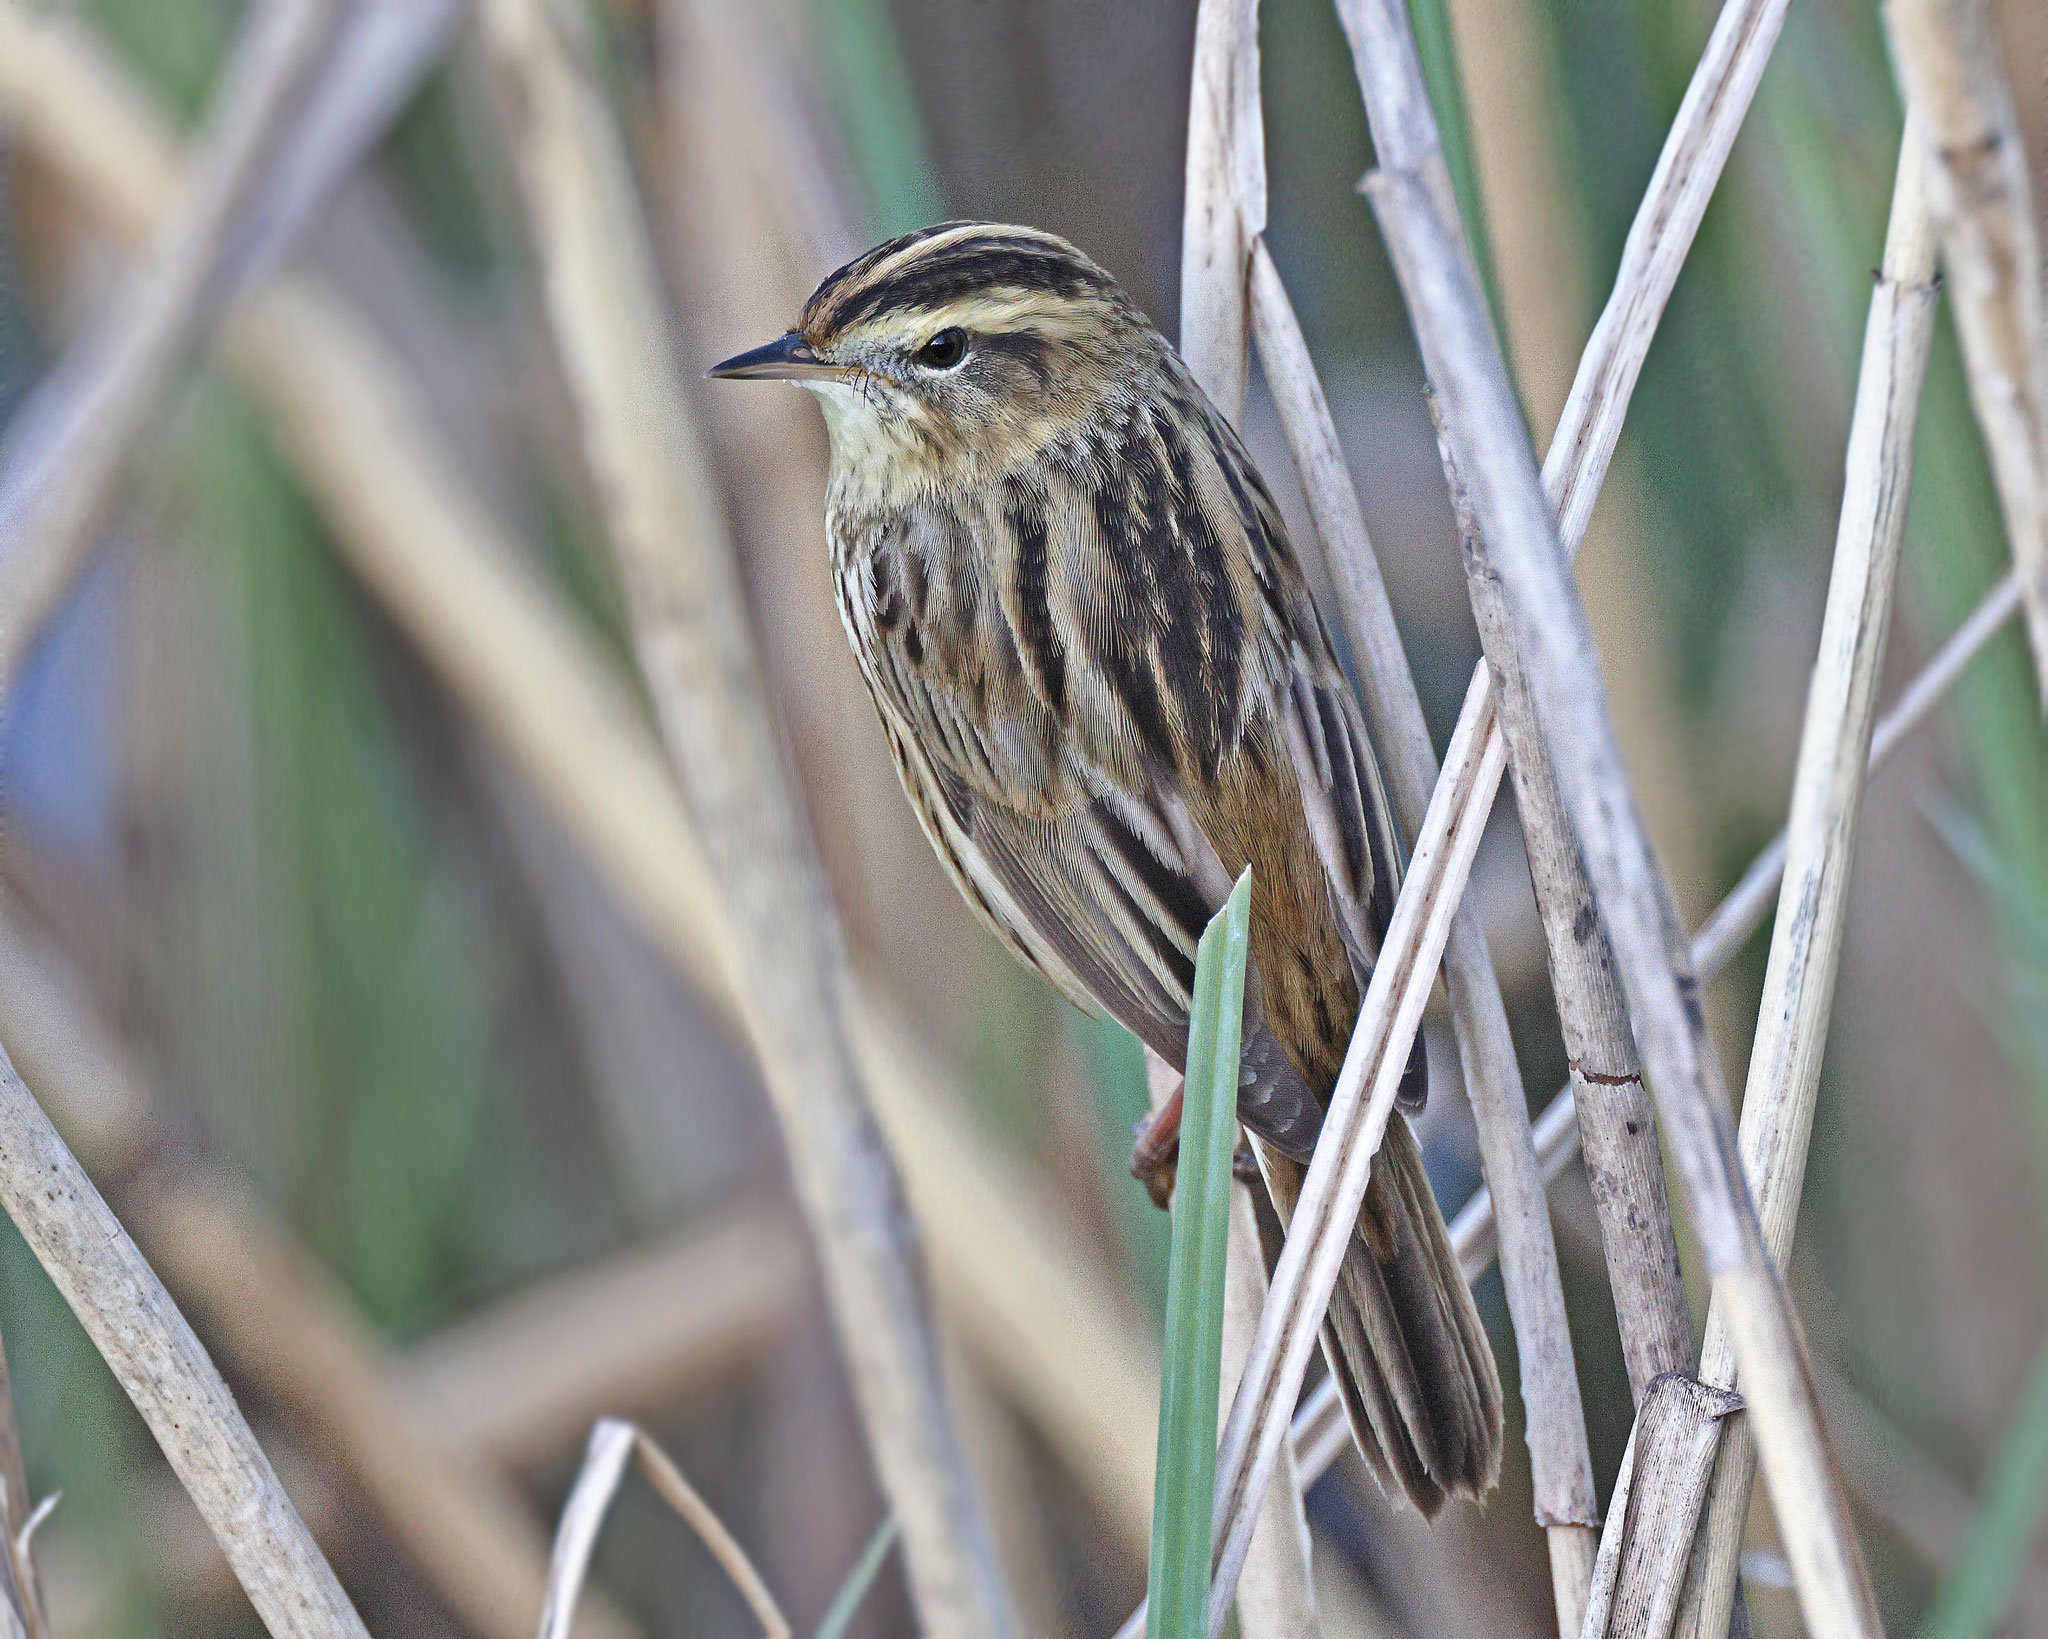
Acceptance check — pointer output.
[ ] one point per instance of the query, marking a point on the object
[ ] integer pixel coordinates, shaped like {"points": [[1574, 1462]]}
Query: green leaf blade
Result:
{"points": [[1185, 1475]]}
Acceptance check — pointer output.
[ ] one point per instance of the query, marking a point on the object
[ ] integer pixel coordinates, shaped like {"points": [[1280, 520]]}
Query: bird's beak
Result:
{"points": [[787, 358]]}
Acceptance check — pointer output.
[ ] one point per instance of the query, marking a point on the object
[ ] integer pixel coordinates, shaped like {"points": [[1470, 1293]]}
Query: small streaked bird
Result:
{"points": [[1108, 691]]}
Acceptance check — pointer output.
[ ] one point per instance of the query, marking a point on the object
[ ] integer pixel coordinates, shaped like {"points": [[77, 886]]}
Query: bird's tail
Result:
{"points": [[1403, 1338]]}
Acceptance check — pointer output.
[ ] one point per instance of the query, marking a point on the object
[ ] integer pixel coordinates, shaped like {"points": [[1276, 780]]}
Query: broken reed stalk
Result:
{"points": [[692, 638], [462, 590], [1827, 799], [1484, 429], [66, 447], [1952, 73], [1560, 1464], [1222, 213], [1694, 153], [152, 1352], [1664, 1476]]}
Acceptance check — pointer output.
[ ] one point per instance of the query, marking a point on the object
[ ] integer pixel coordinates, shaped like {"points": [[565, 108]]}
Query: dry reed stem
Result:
{"points": [[1276, 1594], [152, 1351], [1482, 421], [471, 1535], [1953, 74], [692, 637], [1827, 798], [460, 587], [1616, 1121], [66, 447], [1692, 158], [1664, 1475], [1560, 1465], [1319, 1433], [1743, 910], [1223, 212], [612, 1445]]}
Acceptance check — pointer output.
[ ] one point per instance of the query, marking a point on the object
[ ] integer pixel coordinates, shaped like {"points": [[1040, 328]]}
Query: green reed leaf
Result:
{"points": [[846, 1602], [1185, 1477]]}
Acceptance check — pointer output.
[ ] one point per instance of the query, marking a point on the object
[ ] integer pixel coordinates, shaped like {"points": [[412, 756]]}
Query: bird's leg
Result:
{"points": [[1157, 1149]]}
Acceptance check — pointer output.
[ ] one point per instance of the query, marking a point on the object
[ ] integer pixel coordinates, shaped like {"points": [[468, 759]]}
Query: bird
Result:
{"points": [[1107, 691]]}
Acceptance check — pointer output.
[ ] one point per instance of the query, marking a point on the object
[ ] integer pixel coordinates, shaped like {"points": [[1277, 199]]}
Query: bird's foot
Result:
{"points": [[1157, 1150]]}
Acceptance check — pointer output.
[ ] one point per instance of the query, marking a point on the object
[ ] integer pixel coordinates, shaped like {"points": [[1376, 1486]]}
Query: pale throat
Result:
{"points": [[882, 460]]}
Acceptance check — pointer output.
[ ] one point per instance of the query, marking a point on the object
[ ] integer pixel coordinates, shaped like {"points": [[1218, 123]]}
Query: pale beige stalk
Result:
{"points": [[1319, 1435], [1827, 800], [65, 448], [1222, 213], [1953, 73], [692, 638], [164, 1369], [1743, 909]]}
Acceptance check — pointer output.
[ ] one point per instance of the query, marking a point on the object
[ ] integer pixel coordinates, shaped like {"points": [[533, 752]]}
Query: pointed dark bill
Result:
{"points": [[787, 358]]}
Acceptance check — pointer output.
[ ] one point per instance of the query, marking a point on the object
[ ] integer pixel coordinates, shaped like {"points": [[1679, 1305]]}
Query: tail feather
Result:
{"points": [[1403, 1339]]}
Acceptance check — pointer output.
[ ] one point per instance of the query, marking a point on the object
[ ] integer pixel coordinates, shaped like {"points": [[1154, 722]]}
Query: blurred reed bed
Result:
{"points": [[368, 981]]}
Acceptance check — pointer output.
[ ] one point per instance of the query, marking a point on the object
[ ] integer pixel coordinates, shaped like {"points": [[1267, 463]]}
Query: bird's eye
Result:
{"points": [[944, 350]]}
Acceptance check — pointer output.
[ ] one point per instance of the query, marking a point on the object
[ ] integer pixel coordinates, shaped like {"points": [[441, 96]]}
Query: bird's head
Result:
{"points": [[957, 353]]}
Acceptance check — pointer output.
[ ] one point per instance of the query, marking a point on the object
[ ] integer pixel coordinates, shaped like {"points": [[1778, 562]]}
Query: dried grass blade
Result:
{"points": [[614, 1443], [679, 1494], [590, 1499]]}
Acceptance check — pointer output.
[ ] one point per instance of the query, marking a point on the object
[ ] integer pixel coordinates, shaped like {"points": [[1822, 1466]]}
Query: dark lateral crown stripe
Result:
{"points": [[998, 259]]}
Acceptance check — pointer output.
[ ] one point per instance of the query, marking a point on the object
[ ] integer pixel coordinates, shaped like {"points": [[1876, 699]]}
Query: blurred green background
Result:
{"points": [[364, 969]]}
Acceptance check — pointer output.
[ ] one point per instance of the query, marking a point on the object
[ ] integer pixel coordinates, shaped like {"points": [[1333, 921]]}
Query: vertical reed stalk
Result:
{"points": [[1827, 799], [1483, 427], [1223, 212], [1953, 74], [691, 635]]}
